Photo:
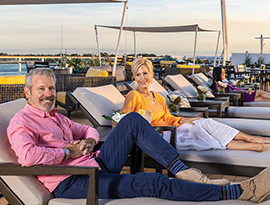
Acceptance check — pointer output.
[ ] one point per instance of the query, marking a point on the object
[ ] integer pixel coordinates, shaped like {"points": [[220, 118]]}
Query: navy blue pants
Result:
{"points": [[114, 152]]}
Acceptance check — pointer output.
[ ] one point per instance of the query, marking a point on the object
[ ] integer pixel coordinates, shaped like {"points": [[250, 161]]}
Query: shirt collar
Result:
{"points": [[40, 113]]}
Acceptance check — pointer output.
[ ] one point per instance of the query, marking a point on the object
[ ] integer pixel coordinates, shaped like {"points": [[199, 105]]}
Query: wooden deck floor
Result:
{"points": [[78, 117]]}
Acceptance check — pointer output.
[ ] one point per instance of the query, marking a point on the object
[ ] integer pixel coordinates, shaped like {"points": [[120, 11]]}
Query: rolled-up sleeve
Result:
{"points": [[83, 132]]}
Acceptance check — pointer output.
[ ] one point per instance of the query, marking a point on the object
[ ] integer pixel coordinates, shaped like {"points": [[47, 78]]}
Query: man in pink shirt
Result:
{"points": [[39, 135]]}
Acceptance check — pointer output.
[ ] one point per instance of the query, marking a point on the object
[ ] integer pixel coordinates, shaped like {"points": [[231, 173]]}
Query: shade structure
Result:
{"points": [[22, 2], [166, 29], [163, 29]]}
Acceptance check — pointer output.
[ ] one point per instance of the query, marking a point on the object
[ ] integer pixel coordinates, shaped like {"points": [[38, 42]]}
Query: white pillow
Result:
{"points": [[184, 101]]}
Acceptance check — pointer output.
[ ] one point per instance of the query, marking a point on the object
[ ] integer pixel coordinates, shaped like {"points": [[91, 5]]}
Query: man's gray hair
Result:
{"points": [[38, 71]]}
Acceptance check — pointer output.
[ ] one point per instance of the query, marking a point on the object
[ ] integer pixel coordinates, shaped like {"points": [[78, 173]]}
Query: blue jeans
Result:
{"points": [[114, 152]]}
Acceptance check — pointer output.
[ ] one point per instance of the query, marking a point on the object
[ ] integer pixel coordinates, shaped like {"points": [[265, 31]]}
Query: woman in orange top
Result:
{"points": [[192, 133]]}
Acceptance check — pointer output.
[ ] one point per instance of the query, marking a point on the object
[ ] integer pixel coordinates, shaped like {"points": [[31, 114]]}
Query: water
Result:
{"points": [[12, 69]]}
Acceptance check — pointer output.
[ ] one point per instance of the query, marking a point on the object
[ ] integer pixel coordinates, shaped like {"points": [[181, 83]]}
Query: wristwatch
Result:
{"points": [[67, 153]]}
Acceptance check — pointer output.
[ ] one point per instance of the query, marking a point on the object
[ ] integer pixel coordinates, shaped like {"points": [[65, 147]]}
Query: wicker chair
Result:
{"points": [[9, 92]]}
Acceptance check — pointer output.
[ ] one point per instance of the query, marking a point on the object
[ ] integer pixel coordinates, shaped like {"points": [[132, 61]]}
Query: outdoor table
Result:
{"points": [[219, 105], [235, 97]]}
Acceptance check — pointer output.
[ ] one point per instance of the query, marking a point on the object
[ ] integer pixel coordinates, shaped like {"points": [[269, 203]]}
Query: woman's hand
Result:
{"points": [[249, 92], [188, 120]]}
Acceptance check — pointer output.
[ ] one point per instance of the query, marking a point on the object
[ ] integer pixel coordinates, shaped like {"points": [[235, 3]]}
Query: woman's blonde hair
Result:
{"points": [[138, 62]]}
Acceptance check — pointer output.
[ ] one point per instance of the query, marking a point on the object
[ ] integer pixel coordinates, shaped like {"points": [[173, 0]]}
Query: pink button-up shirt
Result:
{"points": [[38, 137]]}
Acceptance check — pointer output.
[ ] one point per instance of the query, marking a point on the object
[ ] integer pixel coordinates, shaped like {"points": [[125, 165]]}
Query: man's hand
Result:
{"points": [[87, 146], [188, 120], [73, 147], [83, 147]]}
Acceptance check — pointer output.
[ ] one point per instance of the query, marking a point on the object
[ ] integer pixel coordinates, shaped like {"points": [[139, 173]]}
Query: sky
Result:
{"points": [[36, 29]]}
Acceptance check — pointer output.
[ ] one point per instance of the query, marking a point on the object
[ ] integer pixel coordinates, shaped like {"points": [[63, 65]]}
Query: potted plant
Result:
{"points": [[248, 60]]}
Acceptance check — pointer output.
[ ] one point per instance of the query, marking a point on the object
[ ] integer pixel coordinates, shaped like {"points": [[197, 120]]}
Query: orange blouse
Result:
{"points": [[161, 116]]}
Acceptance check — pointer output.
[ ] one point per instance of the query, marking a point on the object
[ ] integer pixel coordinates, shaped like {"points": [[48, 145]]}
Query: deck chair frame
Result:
{"points": [[17, 170]]}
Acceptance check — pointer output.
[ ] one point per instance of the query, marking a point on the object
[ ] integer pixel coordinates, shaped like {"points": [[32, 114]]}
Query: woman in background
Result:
{"points": [[249, 96]]}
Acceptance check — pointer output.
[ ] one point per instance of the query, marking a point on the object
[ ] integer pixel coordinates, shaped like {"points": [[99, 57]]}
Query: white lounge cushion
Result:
{"points": [[257, 104], [100, 101], [150, 201], [250, 126], [249, 112], [229, 157], [179, 82], [27, 188], [200, 79]]}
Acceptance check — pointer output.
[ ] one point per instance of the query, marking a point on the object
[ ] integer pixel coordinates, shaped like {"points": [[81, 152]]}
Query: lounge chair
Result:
{"points": [[201, 79], [179, 82], [246, 163], [69, 82], [19, 187], [17, 183]]}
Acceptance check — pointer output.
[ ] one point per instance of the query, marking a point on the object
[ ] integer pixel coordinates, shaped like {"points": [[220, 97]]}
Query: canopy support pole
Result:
{"points": [[225, 32], [98, 46], [216, 49], [135, 47], [195, 49], [119, 39], [221, 56]]}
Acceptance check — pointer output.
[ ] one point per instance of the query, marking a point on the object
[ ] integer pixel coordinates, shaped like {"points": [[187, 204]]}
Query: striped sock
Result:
{"points": [[176, 165], [230, 191]]}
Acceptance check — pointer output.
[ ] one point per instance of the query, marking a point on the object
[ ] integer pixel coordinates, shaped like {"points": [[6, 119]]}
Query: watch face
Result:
{"points": [[67, 152]]}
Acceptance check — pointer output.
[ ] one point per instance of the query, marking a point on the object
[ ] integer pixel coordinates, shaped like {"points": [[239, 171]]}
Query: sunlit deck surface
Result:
{"points": [[79, 117]]}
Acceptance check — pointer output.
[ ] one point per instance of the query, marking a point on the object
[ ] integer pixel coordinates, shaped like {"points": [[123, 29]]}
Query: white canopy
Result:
{"points": [[21, 2], [165, 29]]}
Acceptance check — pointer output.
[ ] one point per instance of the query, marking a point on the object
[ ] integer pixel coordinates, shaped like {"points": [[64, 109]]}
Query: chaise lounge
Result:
{"points": [[19, 187], [235, 162], [179, 82]]}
